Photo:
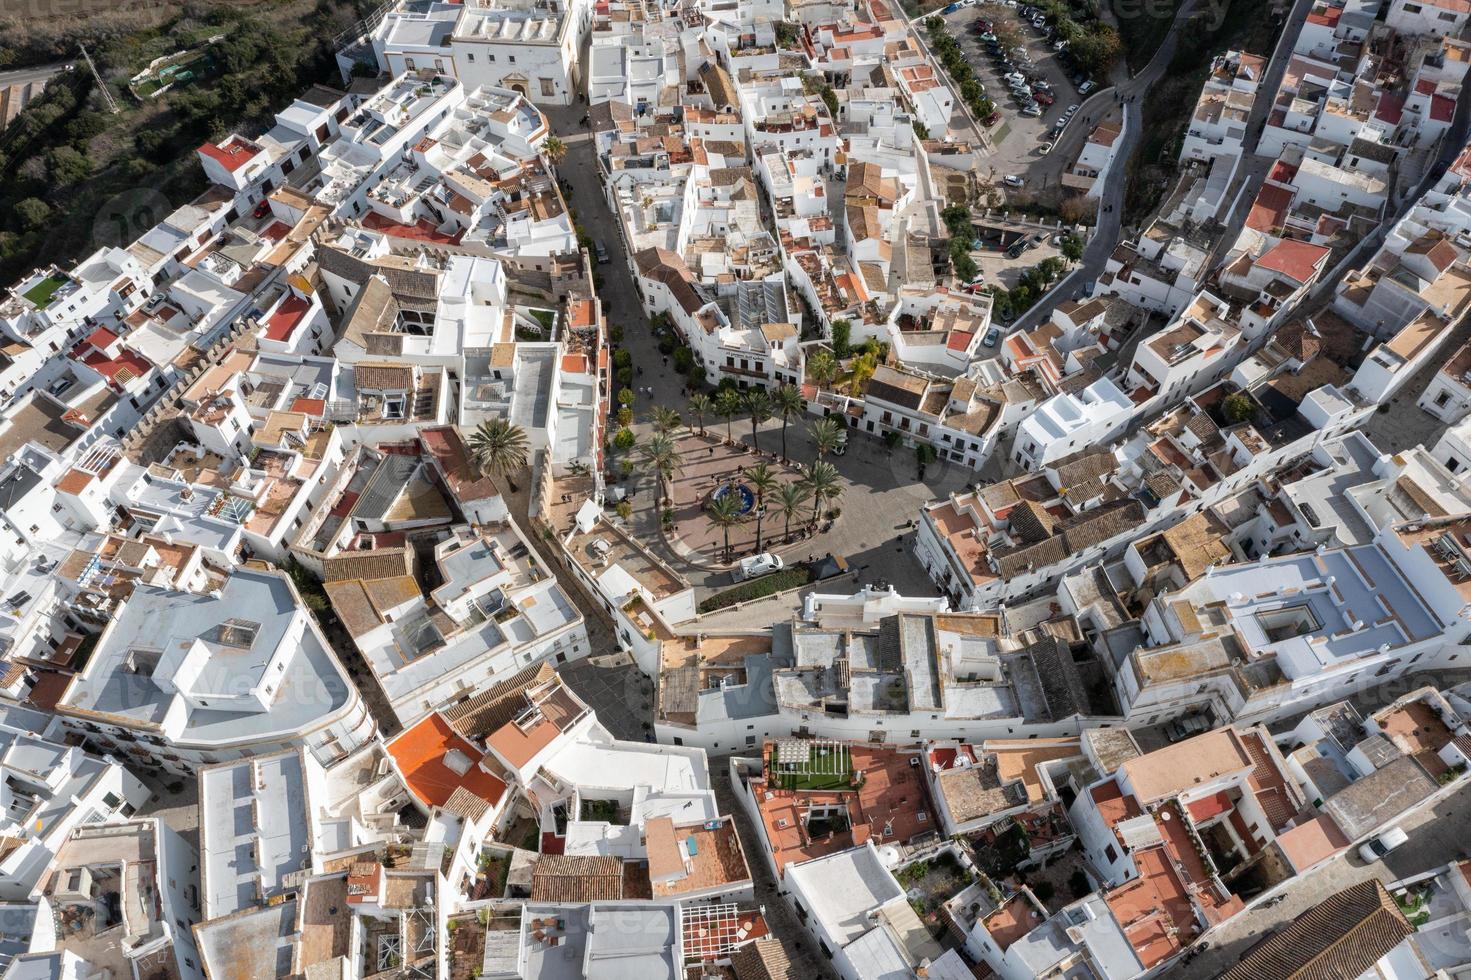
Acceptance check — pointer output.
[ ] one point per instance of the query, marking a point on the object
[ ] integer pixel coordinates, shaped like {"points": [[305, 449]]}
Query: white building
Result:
{"points": [[188, 680], [1071, 421], [529, 48]]}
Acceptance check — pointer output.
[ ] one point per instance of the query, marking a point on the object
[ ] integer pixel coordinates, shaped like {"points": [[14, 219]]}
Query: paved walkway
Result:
{"points": [[710, 462], [808, 960], [1438, 835]]}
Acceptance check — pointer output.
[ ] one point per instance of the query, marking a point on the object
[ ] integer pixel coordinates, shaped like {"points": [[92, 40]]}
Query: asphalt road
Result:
{"points": [[23, 75], [1106, 233]]}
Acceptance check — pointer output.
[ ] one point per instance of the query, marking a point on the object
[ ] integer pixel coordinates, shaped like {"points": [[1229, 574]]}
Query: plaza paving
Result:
{"points": [[710, 463]]}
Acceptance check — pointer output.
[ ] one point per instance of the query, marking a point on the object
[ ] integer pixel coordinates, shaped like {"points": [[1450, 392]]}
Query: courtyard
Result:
{"points": [[712, 468], [877, 513]]}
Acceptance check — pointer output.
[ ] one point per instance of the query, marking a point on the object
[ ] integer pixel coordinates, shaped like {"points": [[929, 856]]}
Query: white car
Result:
{"points": [[758, 565], [1376, 847], [1071, 109], [1034, 110], [1012, 180]]}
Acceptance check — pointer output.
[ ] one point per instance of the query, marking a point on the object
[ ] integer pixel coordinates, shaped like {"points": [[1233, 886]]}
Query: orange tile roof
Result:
{"points": [[1299, 260], [890, 804], [1184, 765], [1311, 843], [420, 752], [1154, 909], [519, 746], [74, 482]]}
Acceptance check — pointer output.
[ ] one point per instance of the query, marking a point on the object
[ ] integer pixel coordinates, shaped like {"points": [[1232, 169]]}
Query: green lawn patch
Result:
{"points": [[605, 811], [829, 766], [759, 588], [41, 293], [547, 319]]}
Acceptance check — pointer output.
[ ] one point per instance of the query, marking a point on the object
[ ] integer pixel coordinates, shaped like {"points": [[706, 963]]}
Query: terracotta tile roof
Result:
{"points": [[378, 563], [478, 716], [1085, 470], [428, 755], [765, 959], [1031, 521], [384, 377], [576, 878], [1344, 936], [1297, 260]]}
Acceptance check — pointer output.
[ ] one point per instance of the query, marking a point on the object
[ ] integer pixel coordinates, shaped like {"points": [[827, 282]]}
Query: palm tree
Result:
{"points": [[724, 512], [826, 433], [823, 367], [728, 404], [701, 406], [498, 447], [554, 149], [759, 404], [824, 484], [786, 401], [665, 419], [791, 497], [661, 456], [862, 367], [762, 481]]}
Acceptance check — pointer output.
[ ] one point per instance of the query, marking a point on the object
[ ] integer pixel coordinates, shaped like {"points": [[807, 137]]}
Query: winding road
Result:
{"points": [[1109, 228]]}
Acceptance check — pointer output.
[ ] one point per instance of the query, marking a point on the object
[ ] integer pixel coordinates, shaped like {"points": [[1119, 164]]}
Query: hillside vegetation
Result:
{"points": [[74, 176]]}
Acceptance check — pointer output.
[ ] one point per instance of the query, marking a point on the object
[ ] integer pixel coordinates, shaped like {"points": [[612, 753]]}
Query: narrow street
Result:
{"points": [[1437, 836], [780, 917]]}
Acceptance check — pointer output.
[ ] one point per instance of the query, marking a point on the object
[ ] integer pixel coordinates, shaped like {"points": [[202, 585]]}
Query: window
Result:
{"points": [[511, 58], [471, 56], [1111, 854]]}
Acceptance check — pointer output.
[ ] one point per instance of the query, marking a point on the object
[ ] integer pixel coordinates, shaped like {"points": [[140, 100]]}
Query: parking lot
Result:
{"points": [[1017, 138]]}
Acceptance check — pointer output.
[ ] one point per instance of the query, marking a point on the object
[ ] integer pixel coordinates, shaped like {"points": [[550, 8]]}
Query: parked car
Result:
{"points": [[992, 119], [1043, 84], [1089, 286], [1376, 847], [1045, 148], [600, 251], [1059, 45], [988, 37], [757, 565], [1086, 87], [950, 9], [1189, 726], [1012, 180], [992, 338], [1034, 110], [1043, 98]]}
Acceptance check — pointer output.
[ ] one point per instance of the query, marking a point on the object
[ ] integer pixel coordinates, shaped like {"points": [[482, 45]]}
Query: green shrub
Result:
{"points": [[759, 588]]}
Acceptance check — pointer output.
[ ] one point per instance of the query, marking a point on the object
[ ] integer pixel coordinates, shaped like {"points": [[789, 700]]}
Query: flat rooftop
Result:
{"points": [[107, 687]]}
